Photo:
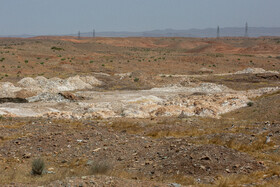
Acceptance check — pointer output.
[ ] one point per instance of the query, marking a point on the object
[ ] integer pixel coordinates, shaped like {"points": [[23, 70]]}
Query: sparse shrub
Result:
{"points": [[2, 59], [250, 104], [91, 61], [42, 63], [63, 59], [136, 79], [38, 166], [99, 167], [219, 55], [57, 48], [26, 61], [103, 64]]}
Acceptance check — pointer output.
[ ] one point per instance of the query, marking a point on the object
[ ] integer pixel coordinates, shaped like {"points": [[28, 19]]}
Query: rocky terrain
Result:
{"points": [[140, 112]]}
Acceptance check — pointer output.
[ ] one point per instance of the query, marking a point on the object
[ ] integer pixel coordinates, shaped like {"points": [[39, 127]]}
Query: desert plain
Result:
{"points": [[140, 111]]}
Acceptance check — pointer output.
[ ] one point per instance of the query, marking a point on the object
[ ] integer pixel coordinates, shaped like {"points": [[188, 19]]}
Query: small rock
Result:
{"points": [[175, 185], [205, 158], [50, 172], [89, 163], [26, 155], [268, 139], [203, 167], [95, 150], [91, 182]]}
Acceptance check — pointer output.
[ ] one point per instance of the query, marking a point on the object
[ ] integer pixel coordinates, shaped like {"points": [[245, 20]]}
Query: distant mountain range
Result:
{"points": [[199, 33]]}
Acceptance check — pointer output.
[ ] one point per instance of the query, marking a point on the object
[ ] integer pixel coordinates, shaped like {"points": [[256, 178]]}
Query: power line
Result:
{"points": [[93, 33], [246, 30], [218, 32], [79, 35]]}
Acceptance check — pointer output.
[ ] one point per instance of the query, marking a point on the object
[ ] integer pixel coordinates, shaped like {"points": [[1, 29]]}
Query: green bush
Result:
{"points": [[250, 104], [57, 48]]}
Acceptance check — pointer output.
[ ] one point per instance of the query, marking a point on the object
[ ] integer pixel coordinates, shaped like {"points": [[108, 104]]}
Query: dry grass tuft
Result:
{"points": [[38, 166], [102, 167]]}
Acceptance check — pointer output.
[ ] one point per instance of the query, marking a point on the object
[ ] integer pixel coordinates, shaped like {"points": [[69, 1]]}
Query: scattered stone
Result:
{"points": [[26, 155], [175, 185]]}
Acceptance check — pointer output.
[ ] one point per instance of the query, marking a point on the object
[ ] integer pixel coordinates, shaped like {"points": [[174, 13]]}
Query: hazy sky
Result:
{"points": [[70, 16]]}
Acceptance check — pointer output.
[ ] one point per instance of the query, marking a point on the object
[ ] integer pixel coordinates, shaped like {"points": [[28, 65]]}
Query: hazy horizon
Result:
{"points": [[57, 17]]}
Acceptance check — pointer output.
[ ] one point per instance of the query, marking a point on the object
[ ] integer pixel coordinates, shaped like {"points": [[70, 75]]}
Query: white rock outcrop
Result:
{"points": [[41, 84]]}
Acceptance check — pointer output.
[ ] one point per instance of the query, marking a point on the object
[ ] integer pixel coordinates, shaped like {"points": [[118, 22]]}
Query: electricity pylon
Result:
{"points": [[246, 30]]}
